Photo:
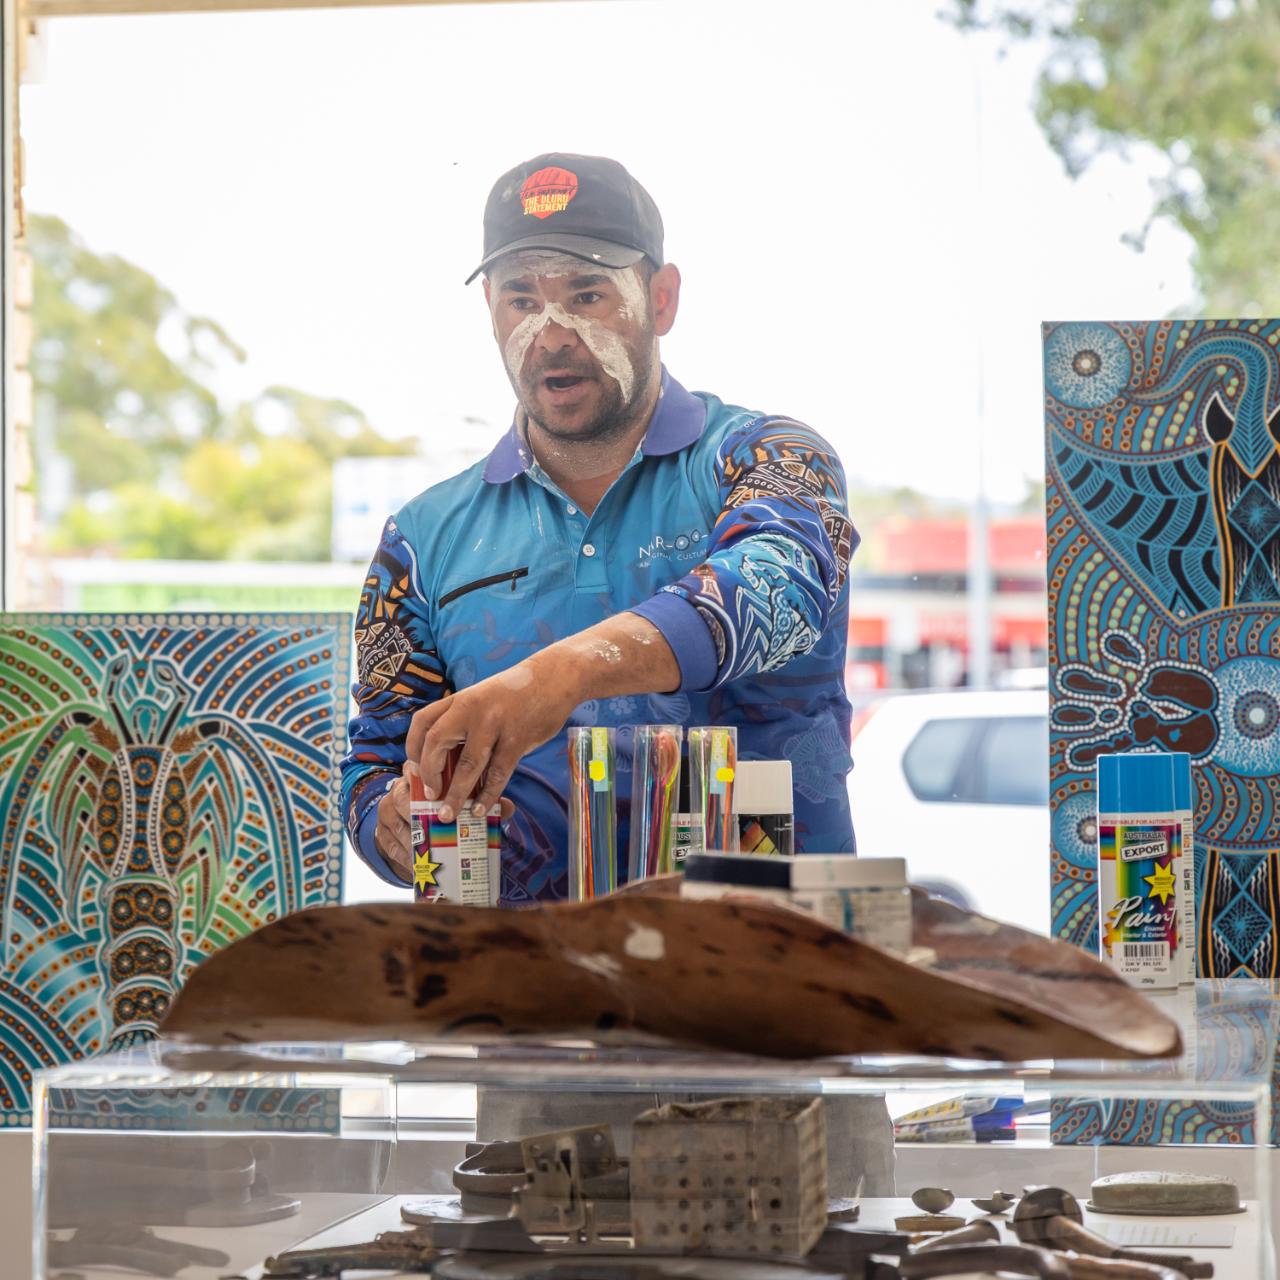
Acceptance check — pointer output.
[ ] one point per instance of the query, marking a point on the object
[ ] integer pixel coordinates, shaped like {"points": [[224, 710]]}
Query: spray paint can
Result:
{"points": [[1182, 799], [458, 861], [1140, 910]]}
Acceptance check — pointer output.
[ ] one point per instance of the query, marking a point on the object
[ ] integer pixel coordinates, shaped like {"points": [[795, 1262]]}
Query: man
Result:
{"points": [[628, 553]]}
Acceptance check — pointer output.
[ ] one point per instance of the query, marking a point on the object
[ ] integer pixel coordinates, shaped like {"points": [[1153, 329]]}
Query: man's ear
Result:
{"points": [[664, 298]]}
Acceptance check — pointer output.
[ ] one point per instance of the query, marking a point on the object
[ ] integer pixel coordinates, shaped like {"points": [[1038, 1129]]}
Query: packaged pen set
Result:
{"points": [[456, 861], [676, 807]]}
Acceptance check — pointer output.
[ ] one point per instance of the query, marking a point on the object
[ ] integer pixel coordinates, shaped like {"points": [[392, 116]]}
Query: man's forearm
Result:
{"points": [[498, 721], [622, 655]]}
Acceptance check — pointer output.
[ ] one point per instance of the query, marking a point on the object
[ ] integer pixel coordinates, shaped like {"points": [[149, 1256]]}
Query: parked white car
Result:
{"points": [[958, 784]]}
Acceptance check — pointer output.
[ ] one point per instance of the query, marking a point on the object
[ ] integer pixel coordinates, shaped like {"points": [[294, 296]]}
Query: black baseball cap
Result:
{"points": [[586, 206]]}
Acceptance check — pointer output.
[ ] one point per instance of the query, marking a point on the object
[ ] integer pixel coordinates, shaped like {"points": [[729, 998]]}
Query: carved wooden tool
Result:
{"points": [[1081, 1268], [972, 1259], [1051, 1217], [1012, 1260], [726, 975], [980, 1232]]}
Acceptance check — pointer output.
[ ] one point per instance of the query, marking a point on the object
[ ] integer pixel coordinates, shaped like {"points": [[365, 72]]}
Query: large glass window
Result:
{"points": [[251, 340], [243, 340]]}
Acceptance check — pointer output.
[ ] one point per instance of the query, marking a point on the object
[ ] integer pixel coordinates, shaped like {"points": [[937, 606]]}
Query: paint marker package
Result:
{"points": [[686, 825], [1139, 868], [713, 761], [763, 807], [655, 782], [459, 861], [593, 823], [965, 1119], [1186, 811]]}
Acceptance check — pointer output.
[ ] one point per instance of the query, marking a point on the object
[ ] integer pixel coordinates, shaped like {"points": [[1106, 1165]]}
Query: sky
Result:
{"points": [[869, 223]]}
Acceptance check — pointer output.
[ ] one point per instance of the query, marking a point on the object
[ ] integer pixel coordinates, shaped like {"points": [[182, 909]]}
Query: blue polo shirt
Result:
{"points": [[729, 530]]}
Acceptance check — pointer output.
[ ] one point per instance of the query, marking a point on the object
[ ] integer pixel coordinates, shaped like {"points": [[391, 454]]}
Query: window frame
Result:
{"points": [[8, 220]]}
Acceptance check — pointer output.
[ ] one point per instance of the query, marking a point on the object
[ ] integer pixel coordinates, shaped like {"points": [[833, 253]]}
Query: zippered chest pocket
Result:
{"points": [[511, 582]]}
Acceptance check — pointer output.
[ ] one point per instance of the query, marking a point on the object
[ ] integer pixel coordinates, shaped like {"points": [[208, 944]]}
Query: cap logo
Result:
{"points": [[548, 191]]}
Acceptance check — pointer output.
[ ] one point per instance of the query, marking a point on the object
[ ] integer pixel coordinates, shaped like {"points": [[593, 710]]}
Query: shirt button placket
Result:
{"points": [[592, 574]]}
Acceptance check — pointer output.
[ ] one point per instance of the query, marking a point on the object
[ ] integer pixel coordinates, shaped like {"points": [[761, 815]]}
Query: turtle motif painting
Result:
{"points": [[167, 784]]}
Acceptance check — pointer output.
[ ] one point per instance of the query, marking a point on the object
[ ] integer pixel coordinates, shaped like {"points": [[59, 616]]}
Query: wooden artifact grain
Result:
{"points": [[647, 966]]}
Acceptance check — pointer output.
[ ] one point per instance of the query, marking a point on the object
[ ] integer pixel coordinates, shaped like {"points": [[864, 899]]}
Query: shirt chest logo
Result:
{"points": [[684, 546]]}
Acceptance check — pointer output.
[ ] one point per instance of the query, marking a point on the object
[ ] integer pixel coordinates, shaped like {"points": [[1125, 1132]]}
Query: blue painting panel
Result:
{"points": [[1163, 506], [1163, 559]]}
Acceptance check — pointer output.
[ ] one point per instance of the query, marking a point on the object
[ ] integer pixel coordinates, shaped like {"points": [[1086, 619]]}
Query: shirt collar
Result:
{"points": [[677, 422]]}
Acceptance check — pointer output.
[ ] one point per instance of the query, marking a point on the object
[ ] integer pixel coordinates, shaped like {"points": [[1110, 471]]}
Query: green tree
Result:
{"points": [[154, 467], [1197, 79]]}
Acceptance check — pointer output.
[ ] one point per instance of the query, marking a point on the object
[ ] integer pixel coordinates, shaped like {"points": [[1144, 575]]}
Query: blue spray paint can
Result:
{"points": [[1140, 910]]}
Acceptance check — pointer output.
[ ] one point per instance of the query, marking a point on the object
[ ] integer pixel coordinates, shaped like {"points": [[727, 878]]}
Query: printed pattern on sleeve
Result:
{"points": [[779, 552], [398, 671]]}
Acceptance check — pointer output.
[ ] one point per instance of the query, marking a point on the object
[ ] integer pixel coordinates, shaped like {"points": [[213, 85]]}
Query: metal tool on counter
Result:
{"points": [[569, 1181], [1051, 1216], [575, 1185], [490, 1176]]}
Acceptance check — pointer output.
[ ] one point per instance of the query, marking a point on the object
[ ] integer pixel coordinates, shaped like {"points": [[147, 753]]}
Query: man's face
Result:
{"points": [[577, 339]]}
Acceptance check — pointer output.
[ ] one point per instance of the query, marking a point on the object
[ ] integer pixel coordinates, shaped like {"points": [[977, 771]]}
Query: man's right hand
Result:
{"points": [[391, 829]]}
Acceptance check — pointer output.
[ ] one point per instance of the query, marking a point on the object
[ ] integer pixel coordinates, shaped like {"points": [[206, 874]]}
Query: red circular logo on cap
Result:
{"points": [[548, 191]]}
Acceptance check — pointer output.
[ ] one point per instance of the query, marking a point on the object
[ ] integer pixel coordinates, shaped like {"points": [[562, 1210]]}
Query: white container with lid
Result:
{"points": [[865, 897], [764, 806]]}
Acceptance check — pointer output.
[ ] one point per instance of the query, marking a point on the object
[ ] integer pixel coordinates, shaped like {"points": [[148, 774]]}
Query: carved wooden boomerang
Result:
{"points": [[636, 967]]}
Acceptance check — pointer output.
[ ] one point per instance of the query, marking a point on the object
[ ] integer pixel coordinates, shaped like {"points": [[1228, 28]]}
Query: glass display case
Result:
{"points": [[211, 1161]]}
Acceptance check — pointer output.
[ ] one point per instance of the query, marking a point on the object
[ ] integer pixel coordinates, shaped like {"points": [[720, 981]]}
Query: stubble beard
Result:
{"points": [[614, 417]]}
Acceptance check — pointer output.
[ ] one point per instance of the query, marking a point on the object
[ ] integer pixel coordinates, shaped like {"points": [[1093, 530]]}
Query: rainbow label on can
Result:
{"points": [[1139, 883]]}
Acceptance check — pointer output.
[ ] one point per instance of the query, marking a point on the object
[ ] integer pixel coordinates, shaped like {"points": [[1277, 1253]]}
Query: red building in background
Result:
{"points": [[909, 621]]}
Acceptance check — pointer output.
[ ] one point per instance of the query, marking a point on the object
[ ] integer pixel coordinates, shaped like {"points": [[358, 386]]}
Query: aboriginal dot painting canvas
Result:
{"points": [[1163, 504], [167, 785], [1163, 557]]}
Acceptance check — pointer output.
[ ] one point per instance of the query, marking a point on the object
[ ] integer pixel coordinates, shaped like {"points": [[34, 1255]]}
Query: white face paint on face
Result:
{"points": [[608, 348]]}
